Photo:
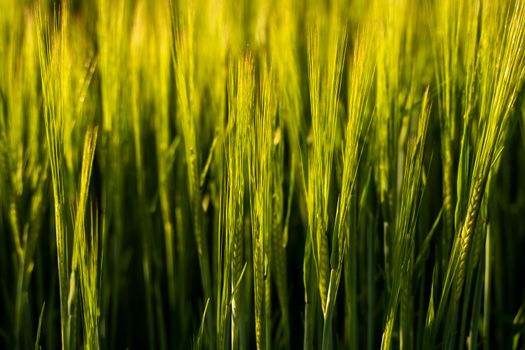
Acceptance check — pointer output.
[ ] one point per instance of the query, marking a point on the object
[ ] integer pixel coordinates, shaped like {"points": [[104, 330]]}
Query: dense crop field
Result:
{"points": [[262, 174]]}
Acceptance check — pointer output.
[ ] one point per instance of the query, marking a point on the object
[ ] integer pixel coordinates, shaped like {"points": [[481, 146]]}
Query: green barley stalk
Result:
{"points": [[85, 250], [24, 162], [498, 79], [261, 182], [360, 81], [502, 74], [449, 24], [405, 231], [324, 75], [395, 35], [187, 102], [288, 80], [52, 52], [240, 111]]}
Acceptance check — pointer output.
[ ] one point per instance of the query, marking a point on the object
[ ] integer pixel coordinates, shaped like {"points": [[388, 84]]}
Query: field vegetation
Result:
{"points": [[262, 174]]}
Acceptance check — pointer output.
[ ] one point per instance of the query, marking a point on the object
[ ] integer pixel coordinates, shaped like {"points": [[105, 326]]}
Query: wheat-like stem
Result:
{"points": [[467, 231]]}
